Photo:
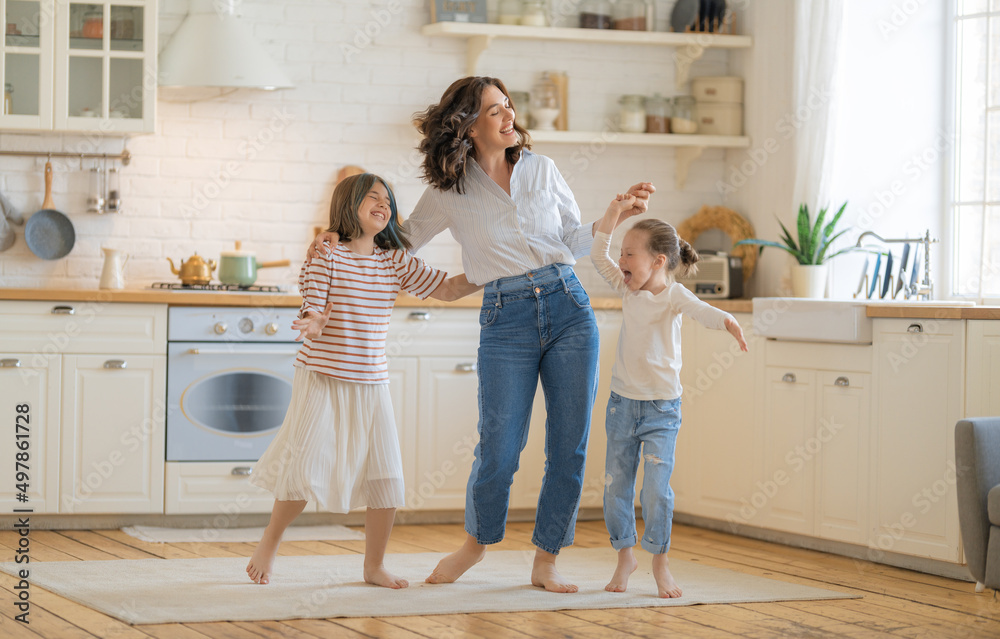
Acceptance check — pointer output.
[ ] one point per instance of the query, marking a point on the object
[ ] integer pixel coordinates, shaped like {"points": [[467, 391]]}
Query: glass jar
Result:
{"points": [[683, 119], [509, 12], [533, 14], [113, 204], [632, 115], [630, 15], [658, 114], [93, 24], [8, 98], [95, 196], [595, 14], [520, 102], [545, 103]]}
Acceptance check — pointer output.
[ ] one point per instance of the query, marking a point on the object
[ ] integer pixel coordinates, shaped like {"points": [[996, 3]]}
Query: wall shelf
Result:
{"points": [[480, 35]]}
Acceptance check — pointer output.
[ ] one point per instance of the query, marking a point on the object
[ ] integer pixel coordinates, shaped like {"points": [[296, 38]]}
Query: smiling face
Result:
{"points": [[374, 210], [493, 130], [642, 269]]}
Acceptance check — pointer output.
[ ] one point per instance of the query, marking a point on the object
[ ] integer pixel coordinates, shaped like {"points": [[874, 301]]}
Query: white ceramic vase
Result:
{"points": [[809, 280]]}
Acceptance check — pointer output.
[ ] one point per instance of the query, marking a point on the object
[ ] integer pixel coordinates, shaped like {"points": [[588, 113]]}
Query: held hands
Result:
{"points": [[734, 329], [311, 326], [323, 243], [641, 191]]}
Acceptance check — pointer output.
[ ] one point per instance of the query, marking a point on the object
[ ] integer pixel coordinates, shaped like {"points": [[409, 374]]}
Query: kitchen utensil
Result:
{"points": [[194, 271], [684, 15], [887, 280], [9, 217], [48, 233], [861, 282], [914, 278], [113, 274], [239, 268], [874, 283], [901, 277]]}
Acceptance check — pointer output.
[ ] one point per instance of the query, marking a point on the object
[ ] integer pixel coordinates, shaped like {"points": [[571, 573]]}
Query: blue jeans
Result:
{"points": [[653, 425], [539, 324]]}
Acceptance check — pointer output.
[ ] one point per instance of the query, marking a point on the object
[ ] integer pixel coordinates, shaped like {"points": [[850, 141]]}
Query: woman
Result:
{"points": [[520, 232]]}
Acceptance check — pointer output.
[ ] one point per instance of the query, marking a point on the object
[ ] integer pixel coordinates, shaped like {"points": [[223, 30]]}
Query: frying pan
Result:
{"points": [[48, 233]]}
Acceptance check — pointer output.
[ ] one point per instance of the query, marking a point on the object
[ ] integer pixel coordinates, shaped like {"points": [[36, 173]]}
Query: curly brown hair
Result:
{"points": [[446, 145]]}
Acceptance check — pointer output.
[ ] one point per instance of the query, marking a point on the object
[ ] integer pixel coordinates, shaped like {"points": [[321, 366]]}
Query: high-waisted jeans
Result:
{"points": [[539, 324]]}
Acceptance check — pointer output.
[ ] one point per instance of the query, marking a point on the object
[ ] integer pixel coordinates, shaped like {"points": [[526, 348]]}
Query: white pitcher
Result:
{"points": [[113, 275]]}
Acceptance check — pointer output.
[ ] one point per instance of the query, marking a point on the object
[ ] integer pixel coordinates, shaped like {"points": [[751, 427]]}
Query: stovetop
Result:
{"points": [[177, 286]]}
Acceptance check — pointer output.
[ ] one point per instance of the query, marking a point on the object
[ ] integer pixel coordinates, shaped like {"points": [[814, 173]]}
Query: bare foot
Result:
{"points": [[545, 575], [666, 587], [626, 566], [260, 564], [379, 576], [457, 563]]}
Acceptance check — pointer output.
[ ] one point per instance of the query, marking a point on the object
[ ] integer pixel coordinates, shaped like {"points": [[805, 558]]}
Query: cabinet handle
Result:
{"points": [[419, 316], [465, 368], [13, 362], [116, 363], [914, 328], [841, 381], [788, 377], [241, 471], [63, 310]]}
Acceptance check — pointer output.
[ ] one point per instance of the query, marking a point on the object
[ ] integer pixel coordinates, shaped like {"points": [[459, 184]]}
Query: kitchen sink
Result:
{"points": [[822, 320]]}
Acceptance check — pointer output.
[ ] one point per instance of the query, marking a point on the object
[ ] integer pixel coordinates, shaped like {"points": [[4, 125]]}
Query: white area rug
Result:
{"points": [[293, 533], [146, 591]]}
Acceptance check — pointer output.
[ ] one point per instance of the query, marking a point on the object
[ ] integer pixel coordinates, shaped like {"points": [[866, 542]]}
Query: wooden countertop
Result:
{"points": [[921, 311]]}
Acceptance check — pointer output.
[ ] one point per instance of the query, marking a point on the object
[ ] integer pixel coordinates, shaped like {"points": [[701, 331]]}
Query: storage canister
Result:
{"points": [[718, 89], [630, 15], [632, 116], [719, 118], [658, 114], [595, 14], [683, 118]]}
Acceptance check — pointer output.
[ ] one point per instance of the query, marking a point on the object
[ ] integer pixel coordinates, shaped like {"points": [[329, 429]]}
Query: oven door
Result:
{"points": [[226, 401]]}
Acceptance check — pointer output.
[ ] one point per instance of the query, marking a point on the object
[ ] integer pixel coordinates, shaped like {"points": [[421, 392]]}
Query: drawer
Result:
{"points": [[717, 89], [719, 118], [418, 331], [83, 327], [212, 488], [819, 356]]}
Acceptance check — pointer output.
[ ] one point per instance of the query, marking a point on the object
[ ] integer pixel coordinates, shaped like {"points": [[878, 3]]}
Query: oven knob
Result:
{"points": [[271, 328], [246, 325], [220, 328]]}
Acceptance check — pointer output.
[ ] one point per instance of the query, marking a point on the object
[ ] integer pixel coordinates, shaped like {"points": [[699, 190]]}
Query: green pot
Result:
{"points": [[239, 268]]}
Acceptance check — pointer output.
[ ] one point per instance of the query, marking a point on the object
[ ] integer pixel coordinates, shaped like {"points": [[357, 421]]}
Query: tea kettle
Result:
{"points": [[194, 271], [113, 275]]}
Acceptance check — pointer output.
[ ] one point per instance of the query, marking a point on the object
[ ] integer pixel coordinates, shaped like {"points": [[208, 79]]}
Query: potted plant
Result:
{"points": [[810, 251]]}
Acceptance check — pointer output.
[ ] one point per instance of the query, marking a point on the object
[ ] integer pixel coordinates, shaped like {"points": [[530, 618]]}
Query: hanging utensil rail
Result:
{"points": [[125, 157]]}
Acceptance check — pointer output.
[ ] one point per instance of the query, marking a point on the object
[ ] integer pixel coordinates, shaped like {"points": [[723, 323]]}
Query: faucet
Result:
{"points": [[925, 289]]}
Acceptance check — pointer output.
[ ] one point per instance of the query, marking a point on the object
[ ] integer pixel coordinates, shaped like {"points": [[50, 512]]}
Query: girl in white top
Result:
{"points": [[643, 414], [338, 442]]}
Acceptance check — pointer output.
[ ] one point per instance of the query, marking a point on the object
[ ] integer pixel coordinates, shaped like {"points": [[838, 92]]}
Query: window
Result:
{"points": [[975, 209]]}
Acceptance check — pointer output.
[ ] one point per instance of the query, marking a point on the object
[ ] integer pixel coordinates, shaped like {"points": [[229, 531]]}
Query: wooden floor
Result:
{"points": [[896, 603]]}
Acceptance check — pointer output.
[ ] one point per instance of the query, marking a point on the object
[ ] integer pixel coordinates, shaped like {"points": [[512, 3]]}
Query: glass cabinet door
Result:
{"points": [[26, 64], [107, 51]]}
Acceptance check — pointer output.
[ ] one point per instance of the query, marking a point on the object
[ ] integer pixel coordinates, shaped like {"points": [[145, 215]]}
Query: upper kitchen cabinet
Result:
{"points": [[79, 67]]}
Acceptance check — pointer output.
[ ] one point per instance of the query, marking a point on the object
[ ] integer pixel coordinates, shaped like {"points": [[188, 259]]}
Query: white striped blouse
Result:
{"points": [[503, 235], [363, 289]]}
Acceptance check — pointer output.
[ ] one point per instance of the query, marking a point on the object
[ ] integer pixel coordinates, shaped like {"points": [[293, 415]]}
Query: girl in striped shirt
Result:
{"points": [[338, 444]]}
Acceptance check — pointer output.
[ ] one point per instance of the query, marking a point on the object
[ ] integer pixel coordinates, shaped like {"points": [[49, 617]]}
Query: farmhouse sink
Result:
{"points": [[822, 320]]}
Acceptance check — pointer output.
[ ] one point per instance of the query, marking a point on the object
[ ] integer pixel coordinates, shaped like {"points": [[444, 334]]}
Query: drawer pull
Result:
{"points": [[63, 310], [12, 362], [465, 368], [116, 363], [419, 316], [241, 471], [914, 328], [788, 377], [841, 381]]}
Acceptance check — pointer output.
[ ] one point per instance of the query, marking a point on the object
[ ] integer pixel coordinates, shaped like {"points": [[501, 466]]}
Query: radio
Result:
{"points": [[719, 276]]}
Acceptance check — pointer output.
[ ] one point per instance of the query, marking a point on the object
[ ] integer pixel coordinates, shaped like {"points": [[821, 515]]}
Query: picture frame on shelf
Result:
{"points": [[458, 11]]}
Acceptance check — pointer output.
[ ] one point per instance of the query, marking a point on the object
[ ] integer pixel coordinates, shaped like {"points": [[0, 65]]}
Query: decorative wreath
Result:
{"points": [[729, 222]]}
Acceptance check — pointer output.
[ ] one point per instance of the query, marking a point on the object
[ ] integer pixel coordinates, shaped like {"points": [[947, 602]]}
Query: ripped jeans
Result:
{"points": [[649, 428]]}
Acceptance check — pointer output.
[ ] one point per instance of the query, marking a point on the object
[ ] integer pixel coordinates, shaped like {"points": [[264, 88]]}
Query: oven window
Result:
{"points": [[238, 402]]}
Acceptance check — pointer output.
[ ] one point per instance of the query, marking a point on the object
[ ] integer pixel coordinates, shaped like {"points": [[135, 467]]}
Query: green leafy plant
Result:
{"points": [[814, 240]]}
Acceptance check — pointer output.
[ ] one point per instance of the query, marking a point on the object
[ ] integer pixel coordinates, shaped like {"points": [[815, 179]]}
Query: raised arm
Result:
{"points": [[602, 242]]}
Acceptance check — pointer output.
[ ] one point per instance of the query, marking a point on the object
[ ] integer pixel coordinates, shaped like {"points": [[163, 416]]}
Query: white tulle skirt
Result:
{"points": [[337, 446]]}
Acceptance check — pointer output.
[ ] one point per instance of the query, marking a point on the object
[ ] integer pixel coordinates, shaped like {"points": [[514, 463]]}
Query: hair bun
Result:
{"points": [[689, 257]]}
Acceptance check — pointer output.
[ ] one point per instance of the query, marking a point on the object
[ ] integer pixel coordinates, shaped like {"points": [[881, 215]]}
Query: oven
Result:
{"points": [[229, 380]]}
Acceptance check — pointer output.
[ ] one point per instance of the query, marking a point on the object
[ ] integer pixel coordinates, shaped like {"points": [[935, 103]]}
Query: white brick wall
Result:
{"points": [[260, 167]]}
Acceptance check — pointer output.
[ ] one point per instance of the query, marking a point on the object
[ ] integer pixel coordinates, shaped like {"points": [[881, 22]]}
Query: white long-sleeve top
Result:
{"points": [[648, 363], [505, 235]]}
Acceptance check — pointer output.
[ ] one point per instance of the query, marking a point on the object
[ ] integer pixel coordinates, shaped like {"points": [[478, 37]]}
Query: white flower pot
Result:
{"points": [[809, 280]]}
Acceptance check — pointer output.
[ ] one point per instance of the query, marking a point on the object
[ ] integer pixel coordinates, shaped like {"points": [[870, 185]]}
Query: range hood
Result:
{"points": [[214, 48]]}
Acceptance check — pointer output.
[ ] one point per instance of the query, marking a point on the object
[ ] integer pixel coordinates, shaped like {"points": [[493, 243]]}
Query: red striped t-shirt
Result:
{"points": [[363, 289]]}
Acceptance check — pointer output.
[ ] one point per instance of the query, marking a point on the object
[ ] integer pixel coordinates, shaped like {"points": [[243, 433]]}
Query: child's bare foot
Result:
{"points": [[260, 564], [545, 575], [457, 563], [666, 587], [626, 566], [379, 576]]}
